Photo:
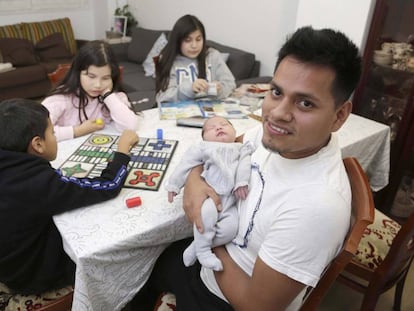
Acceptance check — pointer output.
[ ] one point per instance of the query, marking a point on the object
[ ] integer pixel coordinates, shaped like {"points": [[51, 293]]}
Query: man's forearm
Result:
{"points": [[233, 281]]}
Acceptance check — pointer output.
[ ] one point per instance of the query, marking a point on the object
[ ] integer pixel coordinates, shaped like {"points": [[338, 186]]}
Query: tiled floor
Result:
{"points": [[341, 298]]}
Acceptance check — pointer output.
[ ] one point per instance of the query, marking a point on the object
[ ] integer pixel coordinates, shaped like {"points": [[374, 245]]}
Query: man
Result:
{"points": [[297, 213]]}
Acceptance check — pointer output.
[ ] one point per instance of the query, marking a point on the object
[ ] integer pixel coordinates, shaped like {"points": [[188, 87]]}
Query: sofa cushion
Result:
{"points": [[36, 31], [142, 41], [52, 47], [239, 62], [11, 31], [148, 64], [19, 52]]}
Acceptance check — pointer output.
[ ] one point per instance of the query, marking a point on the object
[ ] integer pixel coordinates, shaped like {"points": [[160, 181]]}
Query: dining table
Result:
{"points": [[115, 247]]}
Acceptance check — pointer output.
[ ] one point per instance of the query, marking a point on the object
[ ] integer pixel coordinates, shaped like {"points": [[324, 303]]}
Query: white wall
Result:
{"points": [[351, 17]]}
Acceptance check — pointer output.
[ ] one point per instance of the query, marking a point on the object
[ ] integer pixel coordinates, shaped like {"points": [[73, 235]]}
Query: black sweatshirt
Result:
{"points": [[32, 259]]}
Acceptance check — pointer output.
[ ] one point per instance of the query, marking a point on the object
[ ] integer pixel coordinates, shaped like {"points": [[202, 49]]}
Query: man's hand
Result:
{"points": [[196, 190]]}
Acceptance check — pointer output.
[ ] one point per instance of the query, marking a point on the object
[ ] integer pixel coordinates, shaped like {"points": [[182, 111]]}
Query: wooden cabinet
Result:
{"points": [[386, 94]]}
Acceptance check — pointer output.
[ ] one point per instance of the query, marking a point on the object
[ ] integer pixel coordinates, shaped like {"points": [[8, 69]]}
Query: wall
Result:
{"points": [[260, 27], [352, 16]]}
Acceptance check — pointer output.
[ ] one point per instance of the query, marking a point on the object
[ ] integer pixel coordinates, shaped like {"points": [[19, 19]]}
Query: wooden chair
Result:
{"points": [[377, 268], [53, 300], [362, 215], [63, 303], [56, 76]]}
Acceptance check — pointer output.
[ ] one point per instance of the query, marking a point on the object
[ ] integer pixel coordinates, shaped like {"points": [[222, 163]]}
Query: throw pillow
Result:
{"points": [[35, 31], [156, 49], [52, 47], [142, 41], [19, 52], [225, 56]]}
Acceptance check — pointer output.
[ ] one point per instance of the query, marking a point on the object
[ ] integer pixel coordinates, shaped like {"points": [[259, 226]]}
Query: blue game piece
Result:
{"points": [[159, 134]]}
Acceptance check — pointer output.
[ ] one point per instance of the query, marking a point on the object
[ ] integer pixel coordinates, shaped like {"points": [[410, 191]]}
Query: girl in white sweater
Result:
{"points": [[187, 68]]}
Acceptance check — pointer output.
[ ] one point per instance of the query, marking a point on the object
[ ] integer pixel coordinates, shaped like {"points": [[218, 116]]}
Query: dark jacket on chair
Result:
{"points": [[32, 259]]}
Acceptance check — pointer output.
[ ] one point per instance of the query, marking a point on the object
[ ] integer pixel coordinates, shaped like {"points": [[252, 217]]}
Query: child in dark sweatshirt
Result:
{"points": [[32, 259]]}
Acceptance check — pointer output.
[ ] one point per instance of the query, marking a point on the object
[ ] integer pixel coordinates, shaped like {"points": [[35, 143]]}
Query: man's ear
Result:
{"points": [[342, 113], [36, 146]]}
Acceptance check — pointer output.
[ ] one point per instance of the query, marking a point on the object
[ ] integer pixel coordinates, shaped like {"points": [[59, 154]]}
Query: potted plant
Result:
{"points": [[131, 21]]}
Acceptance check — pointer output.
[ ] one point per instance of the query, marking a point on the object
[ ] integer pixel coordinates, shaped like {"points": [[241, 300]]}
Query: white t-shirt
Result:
{"points": [[299, 213]]}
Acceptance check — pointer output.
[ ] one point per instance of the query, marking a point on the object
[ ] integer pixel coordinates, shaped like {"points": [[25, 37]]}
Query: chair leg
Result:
{"points": [[398, 293]]}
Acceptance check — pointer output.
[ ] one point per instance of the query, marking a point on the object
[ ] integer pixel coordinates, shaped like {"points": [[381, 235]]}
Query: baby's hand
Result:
{"points": [[200, 85], [171, 195], [127, 140], [241, 192]]}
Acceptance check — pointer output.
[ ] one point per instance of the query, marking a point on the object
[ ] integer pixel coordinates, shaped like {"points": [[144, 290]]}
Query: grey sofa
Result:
{"points": [[131, 55]]}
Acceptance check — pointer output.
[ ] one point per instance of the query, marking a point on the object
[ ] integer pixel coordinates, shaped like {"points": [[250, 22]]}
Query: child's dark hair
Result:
{"points": [[183, 27], [329, 48], [20, 121], [93, 53]]}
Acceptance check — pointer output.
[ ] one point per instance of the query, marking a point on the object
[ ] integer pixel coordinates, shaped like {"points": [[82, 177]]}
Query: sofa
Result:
{"points": [[135, 56], [29, 51]]}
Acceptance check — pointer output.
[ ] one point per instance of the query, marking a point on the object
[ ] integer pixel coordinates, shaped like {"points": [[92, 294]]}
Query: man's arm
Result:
{"points": [[196, 190], [265, 290]]}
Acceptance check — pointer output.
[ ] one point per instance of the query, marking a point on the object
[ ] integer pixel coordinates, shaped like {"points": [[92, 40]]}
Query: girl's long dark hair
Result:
{"points": [[97, 53], [181, 30]]}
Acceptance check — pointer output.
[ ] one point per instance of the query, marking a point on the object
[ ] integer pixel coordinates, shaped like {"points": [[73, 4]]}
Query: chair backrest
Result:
{"points": [[58, 74], [398, 259], [362, 215], [62, 69], [63, 303]]}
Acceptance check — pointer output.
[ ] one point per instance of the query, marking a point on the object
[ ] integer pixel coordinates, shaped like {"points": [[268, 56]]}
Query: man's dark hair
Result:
{"points": [[20, 121], [330, 48]]}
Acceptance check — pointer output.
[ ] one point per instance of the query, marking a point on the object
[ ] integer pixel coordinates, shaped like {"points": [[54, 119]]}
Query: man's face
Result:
{"points": [[299, 112]]}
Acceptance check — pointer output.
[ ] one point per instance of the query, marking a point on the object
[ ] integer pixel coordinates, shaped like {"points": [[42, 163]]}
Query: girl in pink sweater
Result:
{"points": [[90, 95]]}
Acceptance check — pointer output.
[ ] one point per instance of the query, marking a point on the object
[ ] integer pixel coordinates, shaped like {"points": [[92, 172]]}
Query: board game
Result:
{"points": [[149, 160]]}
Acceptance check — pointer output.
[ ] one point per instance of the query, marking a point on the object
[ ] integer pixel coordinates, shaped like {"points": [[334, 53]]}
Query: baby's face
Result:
{"points": [[219, 129]]}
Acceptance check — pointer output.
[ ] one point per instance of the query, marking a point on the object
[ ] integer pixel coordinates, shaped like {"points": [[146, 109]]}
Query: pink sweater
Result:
{"points": [[64, 113]]}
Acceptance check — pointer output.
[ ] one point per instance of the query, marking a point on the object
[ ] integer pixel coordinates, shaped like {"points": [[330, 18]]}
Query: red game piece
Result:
{"points": [[132, 202]]}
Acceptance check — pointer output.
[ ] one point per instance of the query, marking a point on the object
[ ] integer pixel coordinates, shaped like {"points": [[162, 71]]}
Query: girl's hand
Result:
{"points": [[200, 85], [218, 86], [87, 127], [196, 190], [108, 89]]}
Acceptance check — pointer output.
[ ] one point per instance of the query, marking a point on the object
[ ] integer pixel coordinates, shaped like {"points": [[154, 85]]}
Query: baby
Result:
{"points": [[226, 168]]}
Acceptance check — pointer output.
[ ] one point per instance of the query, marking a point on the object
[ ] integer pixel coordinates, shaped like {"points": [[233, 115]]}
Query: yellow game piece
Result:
{"points": [[98, 121]]}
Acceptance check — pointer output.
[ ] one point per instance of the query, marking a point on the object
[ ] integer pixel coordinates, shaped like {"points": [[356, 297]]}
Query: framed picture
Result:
{"points": [[120, 24]]}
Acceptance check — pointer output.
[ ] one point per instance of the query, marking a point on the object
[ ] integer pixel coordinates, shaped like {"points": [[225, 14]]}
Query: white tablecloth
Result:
{"points": [[115, 247]]}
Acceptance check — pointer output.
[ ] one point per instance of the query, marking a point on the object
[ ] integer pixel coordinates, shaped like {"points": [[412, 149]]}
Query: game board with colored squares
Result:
{"points": [[149, 160]]}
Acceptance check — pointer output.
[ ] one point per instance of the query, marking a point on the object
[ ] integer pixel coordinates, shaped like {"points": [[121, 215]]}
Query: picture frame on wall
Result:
{"points": [[120, 24]]}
